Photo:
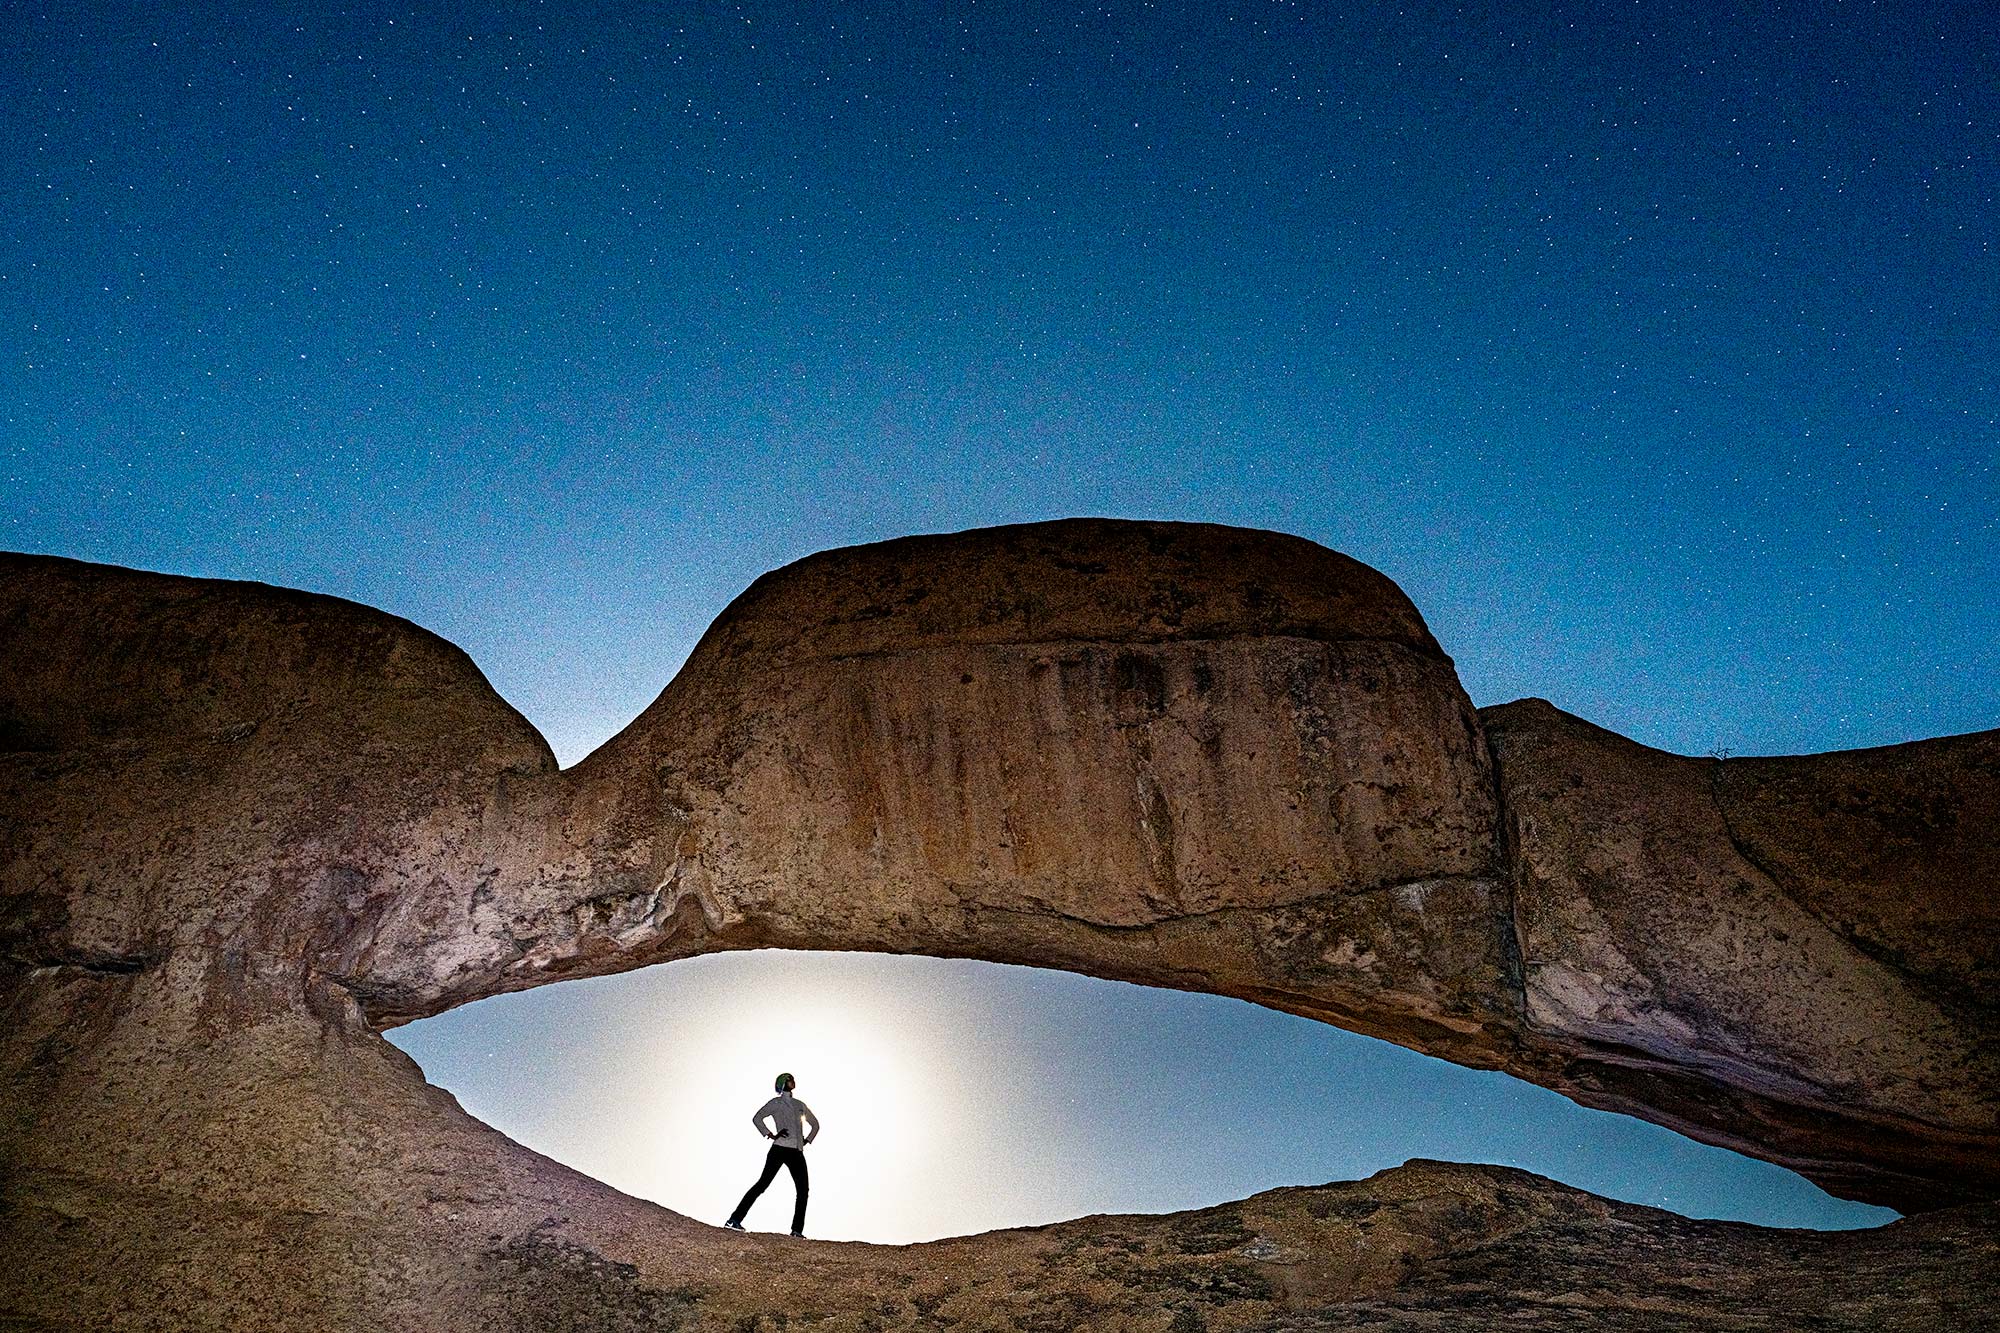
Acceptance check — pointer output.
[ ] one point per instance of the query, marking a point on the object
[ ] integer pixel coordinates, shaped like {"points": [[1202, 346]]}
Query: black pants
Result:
{"points": [[793, 1160]]}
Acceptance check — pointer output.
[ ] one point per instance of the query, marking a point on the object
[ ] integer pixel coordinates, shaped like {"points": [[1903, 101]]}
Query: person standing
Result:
{"points": [[788, 1135]]}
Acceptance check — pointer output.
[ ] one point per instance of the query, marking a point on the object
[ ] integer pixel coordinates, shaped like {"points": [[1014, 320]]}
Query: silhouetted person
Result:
{"points": [[789, 1117]]}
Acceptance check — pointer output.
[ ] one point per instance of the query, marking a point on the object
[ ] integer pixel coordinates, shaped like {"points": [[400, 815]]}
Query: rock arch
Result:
{"points": [[248, 826]]}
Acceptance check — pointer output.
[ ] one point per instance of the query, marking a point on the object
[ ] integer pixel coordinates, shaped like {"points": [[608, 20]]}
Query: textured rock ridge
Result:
{"points": [[1697, 935], [890, 751], [246, 828]]}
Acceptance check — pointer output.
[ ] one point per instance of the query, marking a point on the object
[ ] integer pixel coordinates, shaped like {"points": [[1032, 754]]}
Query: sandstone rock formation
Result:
{"points": [[246, 828], [1792, 957]]}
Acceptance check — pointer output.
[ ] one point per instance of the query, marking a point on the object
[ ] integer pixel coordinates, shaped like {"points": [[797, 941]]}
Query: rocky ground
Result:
{"points": [[1429, 1245]]}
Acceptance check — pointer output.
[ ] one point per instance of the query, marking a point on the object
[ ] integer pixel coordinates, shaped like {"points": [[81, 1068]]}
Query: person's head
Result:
{"points": [[786, 1083]]}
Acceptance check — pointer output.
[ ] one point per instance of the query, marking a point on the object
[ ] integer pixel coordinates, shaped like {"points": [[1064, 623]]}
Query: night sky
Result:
{"points": [[1654, 351]]}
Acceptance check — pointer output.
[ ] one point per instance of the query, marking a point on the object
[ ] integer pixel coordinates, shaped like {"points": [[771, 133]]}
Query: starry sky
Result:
{"points": [[1651, 348]]}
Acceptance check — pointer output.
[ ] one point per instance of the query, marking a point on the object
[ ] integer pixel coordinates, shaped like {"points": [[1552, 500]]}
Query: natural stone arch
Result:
{"points": [[1234, 762], [251, 824]]}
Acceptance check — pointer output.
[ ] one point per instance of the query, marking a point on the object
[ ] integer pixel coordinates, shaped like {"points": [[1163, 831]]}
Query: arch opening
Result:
{"points": [[961, 1097]]}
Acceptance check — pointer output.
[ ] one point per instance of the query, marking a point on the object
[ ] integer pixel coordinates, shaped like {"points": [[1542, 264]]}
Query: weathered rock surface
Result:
{"points": [[241, 829], [1700, 936]]}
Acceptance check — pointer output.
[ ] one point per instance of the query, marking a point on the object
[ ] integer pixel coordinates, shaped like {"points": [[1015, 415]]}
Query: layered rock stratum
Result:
{"points": [[246, 829]]}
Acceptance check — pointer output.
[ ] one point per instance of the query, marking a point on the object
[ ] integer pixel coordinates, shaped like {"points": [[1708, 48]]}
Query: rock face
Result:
{"points": [[247, 828], [1781, 955]]}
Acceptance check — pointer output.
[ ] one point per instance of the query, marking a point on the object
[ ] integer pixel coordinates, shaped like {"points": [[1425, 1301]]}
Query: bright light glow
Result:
{"points": [[957, 1097], [879, 1108], [655, 1094]]}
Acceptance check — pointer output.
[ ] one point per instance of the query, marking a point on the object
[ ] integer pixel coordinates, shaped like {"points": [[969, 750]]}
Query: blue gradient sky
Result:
{"points": [[1653, 350]]}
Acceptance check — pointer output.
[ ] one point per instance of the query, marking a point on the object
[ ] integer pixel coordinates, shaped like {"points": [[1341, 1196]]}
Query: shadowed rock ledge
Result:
{"points": [[245, 828]]}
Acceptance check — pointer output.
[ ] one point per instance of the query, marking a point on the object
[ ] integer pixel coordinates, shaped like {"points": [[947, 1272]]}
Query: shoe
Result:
{"points": [[734, 1226], [800, 1234]]}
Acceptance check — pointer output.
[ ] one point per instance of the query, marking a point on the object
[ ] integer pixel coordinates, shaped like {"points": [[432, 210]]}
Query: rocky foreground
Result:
{"points": [[246, 829], [1426, 1246]]}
